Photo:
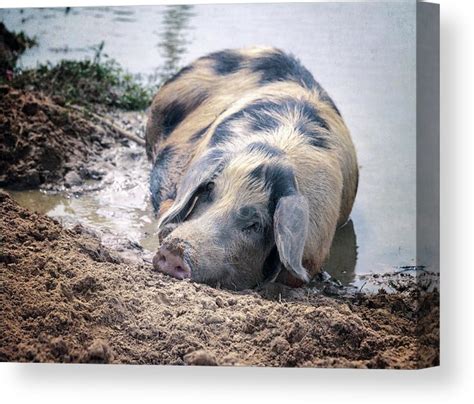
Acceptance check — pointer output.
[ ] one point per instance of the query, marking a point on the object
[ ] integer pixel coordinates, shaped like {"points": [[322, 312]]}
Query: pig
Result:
{"points": [[253, 170]]}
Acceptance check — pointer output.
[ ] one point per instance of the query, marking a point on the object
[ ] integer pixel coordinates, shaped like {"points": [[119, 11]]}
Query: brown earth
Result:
{"points": [[66, 298], [42, 142]]}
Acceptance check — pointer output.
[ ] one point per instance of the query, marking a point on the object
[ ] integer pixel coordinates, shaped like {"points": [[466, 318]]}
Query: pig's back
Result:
{"points": [[189, 113]]}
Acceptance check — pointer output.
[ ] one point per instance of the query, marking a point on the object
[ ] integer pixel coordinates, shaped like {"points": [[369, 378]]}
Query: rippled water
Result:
{"points": [[363, 54]]}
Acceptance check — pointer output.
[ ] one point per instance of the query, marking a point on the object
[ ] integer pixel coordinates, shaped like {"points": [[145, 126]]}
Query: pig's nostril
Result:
{"points": [[171, 263]]}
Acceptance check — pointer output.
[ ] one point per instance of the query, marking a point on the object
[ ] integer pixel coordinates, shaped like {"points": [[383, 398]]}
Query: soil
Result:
{"points": [[45, 143], [64, 297]]}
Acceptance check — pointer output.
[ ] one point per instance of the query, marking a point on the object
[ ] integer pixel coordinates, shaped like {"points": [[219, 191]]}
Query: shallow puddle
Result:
{"points": [[118, 203]]}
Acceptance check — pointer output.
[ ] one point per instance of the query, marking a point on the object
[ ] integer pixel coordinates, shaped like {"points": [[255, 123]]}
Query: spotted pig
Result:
{"points": [[253, 170]]}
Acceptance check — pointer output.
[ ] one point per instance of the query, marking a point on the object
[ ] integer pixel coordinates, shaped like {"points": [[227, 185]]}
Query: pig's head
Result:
{"points": [[237, 220]]}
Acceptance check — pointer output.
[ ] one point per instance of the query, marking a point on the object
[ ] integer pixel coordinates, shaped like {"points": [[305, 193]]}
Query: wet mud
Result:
{"points": [[65, 297], [43, 143]]}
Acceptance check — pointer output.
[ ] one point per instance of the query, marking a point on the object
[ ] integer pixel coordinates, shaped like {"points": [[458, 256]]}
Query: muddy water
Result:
{"points": [[120, 203], [363, 54]]}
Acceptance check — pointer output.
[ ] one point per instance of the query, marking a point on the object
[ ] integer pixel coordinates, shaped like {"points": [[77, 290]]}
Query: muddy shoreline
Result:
{"points": [[68, 295], [67, 298], [46, 144]]}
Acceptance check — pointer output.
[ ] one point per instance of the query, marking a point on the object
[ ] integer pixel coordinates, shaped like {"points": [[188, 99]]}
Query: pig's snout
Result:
{"points": [[171, 263]]}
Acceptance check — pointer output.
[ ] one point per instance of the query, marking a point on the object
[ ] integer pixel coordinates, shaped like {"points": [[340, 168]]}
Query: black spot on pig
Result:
{"points": [[317, 139], [280, 181], [265, 148], [175, 112], [222, 133], [309, 115], [278, 66], [173, 115], [257, 114], [177, 75], [199, 134], [159, 177], [258, 173], [226, 62], [262, 115]]}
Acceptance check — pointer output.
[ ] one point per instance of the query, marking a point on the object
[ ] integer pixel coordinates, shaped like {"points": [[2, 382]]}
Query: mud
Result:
{"points": [[64, 297], [45, 143]]}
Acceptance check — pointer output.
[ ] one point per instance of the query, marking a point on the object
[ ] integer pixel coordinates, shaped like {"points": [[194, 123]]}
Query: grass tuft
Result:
{"points": [[87, 82]]}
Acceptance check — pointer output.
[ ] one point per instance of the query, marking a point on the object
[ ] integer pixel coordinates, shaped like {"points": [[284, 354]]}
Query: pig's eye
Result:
{"points": [[252, 227], [204, 195], [210, 186], [207, 193]]}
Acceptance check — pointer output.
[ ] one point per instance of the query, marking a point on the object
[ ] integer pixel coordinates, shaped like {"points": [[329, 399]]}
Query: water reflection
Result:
{"points": [[173, 39], [343, 255]]}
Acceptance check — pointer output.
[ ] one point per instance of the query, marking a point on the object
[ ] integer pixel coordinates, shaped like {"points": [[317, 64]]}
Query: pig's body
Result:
{"points": [[256, 128]]}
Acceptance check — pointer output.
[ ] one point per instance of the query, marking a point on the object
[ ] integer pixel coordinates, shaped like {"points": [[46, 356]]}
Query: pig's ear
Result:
{"points": [[290, 223], [195, 179]]}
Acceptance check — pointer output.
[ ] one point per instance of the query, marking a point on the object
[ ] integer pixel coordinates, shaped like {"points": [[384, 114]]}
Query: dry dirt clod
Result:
{"points": [[220, 302], [200, 358], [98, 352], [280, 345]]}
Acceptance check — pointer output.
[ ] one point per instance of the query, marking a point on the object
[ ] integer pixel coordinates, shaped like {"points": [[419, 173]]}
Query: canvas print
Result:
{"points": [[220, 185]]}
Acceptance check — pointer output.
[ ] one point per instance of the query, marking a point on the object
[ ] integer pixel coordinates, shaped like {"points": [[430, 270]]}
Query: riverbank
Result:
{"points": [[46, 143]]}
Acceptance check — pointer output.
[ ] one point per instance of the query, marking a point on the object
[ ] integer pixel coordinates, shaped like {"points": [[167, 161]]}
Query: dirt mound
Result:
{"points": [[12, 45], [41, 141], [66, 298]]}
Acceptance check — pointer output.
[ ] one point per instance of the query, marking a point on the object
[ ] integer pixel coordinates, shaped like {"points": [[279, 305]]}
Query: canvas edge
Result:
{"points": [[428, 136]]}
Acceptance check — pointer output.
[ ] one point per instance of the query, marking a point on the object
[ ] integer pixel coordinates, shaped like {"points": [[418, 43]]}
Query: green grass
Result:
{"points": [[90, 82], [87, 82]]}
